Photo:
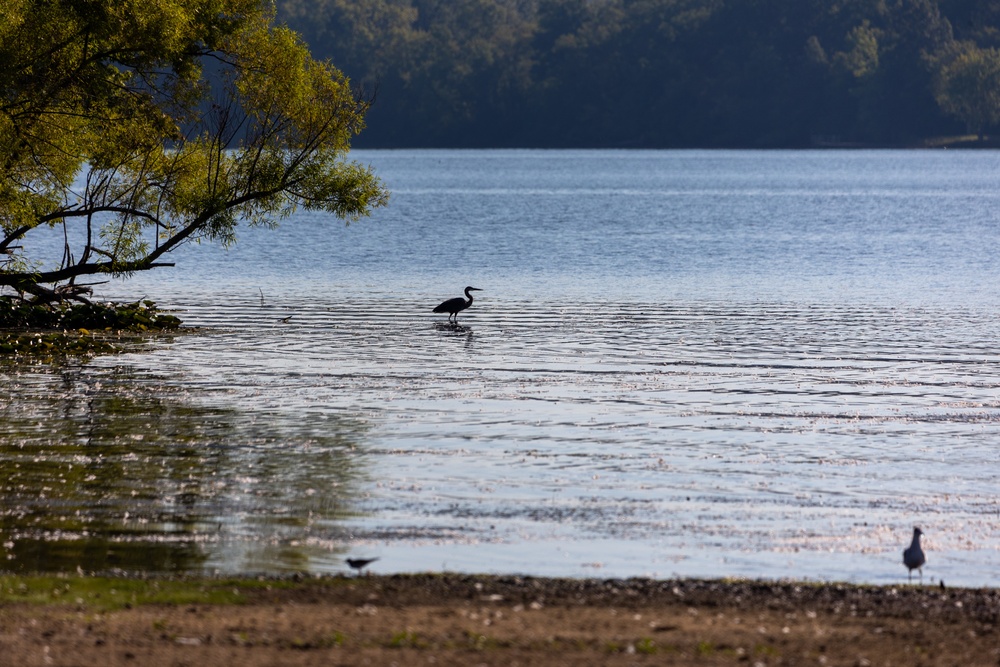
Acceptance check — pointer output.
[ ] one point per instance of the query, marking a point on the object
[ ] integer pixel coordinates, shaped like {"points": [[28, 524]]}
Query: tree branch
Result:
{"points": [[85, 212], [22, 280], [13, 236]]}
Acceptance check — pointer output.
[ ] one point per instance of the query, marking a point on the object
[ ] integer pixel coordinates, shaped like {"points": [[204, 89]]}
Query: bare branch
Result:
{"points": [[14, 236]]}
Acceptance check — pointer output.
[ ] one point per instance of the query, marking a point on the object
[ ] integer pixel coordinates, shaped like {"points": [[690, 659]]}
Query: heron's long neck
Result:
{"points": [[469, 297]]}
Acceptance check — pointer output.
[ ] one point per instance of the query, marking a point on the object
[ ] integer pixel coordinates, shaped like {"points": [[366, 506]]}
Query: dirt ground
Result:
{"points": [[481, 620]]}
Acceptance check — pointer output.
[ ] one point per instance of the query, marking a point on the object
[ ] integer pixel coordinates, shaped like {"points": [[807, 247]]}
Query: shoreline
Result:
{"points": [[458, 619]]}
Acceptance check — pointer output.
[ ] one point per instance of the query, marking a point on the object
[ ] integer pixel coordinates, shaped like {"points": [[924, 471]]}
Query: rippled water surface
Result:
{"points": [[681, 363]]}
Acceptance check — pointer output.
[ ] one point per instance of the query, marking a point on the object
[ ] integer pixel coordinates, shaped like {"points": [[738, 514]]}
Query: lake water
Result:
{"points": [[682, 363]]}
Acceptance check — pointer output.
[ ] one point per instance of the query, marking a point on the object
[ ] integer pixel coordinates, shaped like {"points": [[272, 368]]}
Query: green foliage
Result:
{"points": [[148, 125], [861, 57], [968, 87], [648, 73]]}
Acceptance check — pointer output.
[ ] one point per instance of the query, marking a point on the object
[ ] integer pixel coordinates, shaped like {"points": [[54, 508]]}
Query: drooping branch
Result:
{"points": [[157, 163], [20, 280]]}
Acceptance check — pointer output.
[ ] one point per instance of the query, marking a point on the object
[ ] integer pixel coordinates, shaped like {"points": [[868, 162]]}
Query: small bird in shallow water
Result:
{"points": [[913, 556], [456, 305], [360, 563]]}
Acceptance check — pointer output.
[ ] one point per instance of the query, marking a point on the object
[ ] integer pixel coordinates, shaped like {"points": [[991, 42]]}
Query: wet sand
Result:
{"points": [[492, 620]]}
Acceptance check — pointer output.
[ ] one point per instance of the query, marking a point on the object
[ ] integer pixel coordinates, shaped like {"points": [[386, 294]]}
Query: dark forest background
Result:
{"points": [[663, 73]]}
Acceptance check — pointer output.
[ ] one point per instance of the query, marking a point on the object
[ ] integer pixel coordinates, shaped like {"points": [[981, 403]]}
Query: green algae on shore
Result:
{"points": [[49, 330]]}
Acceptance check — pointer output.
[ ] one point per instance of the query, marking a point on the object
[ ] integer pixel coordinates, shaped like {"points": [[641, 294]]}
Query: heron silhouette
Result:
{"points": [[454, 306], [913, 556]]}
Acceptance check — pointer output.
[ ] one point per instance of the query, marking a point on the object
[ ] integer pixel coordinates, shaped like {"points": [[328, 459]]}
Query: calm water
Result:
{"points": [[758, 364]]}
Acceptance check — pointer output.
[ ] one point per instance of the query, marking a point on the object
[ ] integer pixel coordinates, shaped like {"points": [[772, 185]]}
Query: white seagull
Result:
{"points": [[913, 557]]}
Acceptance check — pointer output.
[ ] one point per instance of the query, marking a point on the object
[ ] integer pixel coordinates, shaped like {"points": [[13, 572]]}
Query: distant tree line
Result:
{"points": [[662, 73]]}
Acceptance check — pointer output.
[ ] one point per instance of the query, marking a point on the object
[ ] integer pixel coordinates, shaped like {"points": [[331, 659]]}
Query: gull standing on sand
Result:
{"points": [[913, 557]]}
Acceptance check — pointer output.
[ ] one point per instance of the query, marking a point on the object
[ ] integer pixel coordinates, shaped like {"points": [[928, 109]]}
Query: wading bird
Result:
{"points": [[457, 305], [913, 557], [360, 563]]}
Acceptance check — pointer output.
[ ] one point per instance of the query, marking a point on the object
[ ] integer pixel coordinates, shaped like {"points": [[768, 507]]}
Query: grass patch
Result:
{"points": [[642, 646], [765, 650], [481, 642], [407, 639], [335, 639], [646, 646], [104, 593]]}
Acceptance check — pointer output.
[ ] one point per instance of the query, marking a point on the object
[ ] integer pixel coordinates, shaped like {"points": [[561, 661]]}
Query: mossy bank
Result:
{"points": [[54, 329]]}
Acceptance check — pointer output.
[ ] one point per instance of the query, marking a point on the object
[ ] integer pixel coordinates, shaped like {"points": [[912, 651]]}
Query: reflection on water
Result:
{"points": [[106, 469], [696, 438], [696, 363]]}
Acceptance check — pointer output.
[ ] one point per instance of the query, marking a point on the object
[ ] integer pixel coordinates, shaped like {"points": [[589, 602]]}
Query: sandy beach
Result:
{"points": [[497, 620]]}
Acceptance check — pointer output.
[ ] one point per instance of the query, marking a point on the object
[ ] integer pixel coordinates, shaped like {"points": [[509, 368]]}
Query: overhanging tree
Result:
{"points": [[140, 126]]}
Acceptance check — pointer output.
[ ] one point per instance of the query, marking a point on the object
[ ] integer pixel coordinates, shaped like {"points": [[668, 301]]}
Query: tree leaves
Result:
{"points": [[968, 86], [187, 117]]}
